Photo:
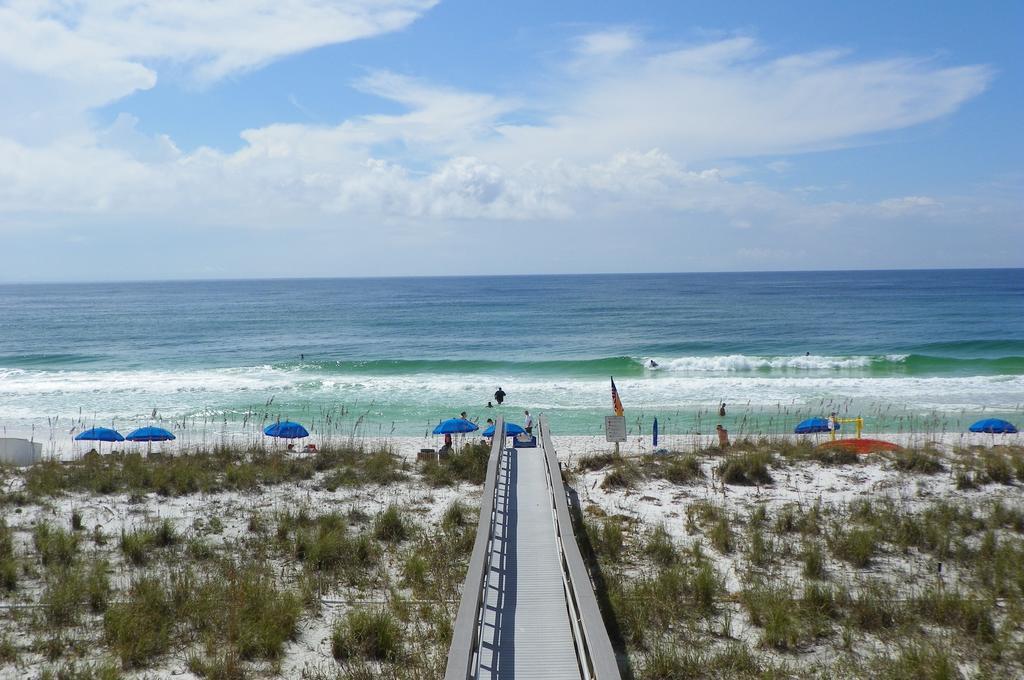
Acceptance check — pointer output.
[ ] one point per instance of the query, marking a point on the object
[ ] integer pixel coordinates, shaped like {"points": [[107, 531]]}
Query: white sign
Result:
{"points": [[615, 428]]}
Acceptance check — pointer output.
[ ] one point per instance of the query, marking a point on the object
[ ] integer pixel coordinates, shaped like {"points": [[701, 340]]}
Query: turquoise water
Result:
{"points": [[907, 350]]}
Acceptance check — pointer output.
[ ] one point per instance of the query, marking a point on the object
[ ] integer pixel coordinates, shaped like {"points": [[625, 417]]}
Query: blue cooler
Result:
{"points": [[524, 442]]}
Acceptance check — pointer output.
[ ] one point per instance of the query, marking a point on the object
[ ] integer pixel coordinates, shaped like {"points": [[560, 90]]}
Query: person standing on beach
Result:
{"points": [[721, 410], [723, 437], [499, 396], [528, 423]]}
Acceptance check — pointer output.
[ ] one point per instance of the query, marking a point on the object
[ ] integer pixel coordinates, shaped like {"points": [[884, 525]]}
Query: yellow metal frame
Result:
{"points": [[858, 420]]}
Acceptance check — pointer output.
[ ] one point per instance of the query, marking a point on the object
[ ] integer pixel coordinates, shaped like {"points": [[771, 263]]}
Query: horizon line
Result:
{"points": [[231, 279]]}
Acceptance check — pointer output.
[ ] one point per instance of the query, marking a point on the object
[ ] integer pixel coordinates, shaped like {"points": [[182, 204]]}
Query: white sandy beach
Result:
{"points": [[655, 502]]}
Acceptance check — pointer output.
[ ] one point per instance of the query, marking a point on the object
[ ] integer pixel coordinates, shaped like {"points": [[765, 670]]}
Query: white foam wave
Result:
{"points": [[742, 362], [32, 394], [18, 382]]}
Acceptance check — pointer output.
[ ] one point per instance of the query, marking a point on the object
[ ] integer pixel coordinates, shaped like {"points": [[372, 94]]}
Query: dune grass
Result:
{"points": [[746, 469], [219, 469], [893, 586], [676, 468], [626, 473], [856, 546], [55, 546], [367, 634], [467, 463], [105, 670], [8, 560], [225, 591], [390, 526], [623, 474], [435, 563], [921, 461], [733, 585], [237, 607], [597, 461], [379, 468], [137, 546]]}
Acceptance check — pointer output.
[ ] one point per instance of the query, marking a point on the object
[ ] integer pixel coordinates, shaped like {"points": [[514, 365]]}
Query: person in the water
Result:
{"points": [[499, 396]]}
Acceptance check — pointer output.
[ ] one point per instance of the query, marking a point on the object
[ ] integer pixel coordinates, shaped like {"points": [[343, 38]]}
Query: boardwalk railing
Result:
{"points": [[469, 620], [593, 648], [593, 644]]}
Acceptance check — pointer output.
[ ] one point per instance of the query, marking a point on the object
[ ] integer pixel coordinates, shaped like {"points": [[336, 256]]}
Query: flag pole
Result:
{"points": [[616, 407]]}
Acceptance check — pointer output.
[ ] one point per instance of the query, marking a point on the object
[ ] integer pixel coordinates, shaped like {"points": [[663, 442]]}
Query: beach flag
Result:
{"points": [[616, 402]]}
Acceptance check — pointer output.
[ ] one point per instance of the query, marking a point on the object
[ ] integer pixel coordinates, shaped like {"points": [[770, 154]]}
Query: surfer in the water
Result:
{"points": [[652, 364]]}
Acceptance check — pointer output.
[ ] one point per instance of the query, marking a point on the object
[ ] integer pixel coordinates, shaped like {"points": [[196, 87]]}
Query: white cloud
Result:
{"points": [[908, 204], [439, 118], [61, 58], [639, 136], [723, 99], [605, 44], [215, 38]]}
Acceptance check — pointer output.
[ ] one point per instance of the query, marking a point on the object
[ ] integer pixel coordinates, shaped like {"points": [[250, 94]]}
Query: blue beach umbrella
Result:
{"points": [[654, 433], [994, 426], [455, 426], [99, 434], [286, 429], [150, 434], [814, 426], [511, 430]]}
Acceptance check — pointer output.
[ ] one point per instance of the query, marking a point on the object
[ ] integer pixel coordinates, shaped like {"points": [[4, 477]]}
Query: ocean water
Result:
{"points": [[908, 350]]}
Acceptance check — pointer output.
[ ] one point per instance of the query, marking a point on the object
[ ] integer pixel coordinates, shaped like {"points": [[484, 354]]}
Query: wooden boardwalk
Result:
{"points": [[526, 632], [528, 608]]}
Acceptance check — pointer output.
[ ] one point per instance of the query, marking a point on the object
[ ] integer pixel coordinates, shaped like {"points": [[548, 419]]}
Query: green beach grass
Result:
{"points": [[235, 563]]}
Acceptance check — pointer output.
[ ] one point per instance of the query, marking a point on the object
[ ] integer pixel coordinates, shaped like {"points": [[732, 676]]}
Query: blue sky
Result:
{"points": [[391, 137]]}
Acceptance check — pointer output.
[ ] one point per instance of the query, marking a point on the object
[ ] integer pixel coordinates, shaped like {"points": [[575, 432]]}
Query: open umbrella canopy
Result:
{"points": [[994, 426], [286, 429], [455, 426], [150, 434], [511, 430], [813, 426], [99, 434]]}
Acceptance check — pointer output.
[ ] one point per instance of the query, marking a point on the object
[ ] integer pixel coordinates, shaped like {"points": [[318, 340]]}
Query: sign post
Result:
{"points": [[615, 430]]}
